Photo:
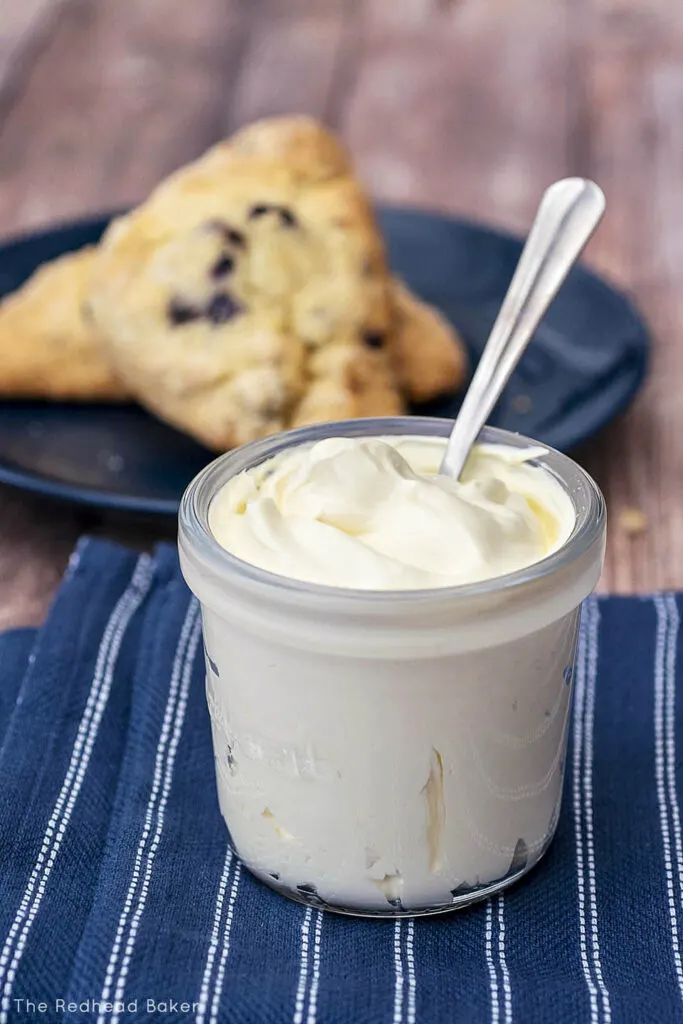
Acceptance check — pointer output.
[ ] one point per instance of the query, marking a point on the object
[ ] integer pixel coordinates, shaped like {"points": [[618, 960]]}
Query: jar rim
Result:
{"points": [[197, 540]]}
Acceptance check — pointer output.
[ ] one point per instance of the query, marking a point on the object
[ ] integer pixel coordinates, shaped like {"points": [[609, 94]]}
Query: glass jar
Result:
{"points": [[389, 753]]}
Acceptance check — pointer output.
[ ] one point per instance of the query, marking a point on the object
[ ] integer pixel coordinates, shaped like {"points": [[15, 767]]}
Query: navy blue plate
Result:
{"points": [[584, 366]]}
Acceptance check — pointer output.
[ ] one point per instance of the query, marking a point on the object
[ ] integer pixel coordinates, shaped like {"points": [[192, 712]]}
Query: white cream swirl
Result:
{"points": [[373, 514]]}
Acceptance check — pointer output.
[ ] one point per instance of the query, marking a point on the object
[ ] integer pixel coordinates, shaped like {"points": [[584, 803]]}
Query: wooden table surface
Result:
{"points": [[472, 106]]}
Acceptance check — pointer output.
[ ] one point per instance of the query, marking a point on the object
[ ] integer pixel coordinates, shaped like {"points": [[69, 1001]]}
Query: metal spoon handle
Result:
{"points": [[568, 215]]}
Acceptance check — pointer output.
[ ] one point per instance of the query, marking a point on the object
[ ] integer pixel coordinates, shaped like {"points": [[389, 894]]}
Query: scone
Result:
{"points": [[47, 346], [250, 292]]}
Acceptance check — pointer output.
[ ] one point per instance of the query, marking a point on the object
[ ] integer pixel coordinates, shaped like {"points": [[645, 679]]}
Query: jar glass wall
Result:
{"points": [[387, 753]]}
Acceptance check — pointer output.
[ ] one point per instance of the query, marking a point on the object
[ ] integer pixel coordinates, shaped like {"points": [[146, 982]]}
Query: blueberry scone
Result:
{"points": [[47, 345], [250, 293]]}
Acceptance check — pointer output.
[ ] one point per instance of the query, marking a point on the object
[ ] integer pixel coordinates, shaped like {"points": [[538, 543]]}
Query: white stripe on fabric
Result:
{"points": [[303, 969], [665, 761], [215, 935], [493, 974], [161, 813], [398, 974], [75, 558], [582, 785], [189, 622], [315, 979], [304, 994], [412, 981], [670, 737], [220, 974], [502, 960], [579, 701], [499, 976], [88, 727], [589, 721], [169, 738]]}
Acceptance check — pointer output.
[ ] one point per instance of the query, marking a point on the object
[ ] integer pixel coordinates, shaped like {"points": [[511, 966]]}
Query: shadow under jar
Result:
{"points": [[389, 753]]}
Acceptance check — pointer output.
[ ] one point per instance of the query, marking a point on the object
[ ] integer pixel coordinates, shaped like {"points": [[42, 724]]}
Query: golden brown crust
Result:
{"points": [[311, 152], [47, 348], [345, 385], [429, 356]]}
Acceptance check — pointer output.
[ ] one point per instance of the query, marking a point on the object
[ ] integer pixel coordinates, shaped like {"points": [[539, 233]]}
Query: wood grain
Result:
{"points": [[472, 106], [122, 94], [35, 543], [448, 109], [290, 61], [24, 28], [633, 62]]}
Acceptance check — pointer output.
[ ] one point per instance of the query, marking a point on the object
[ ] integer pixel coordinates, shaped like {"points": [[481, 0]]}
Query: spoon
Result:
{"points": [[569, 213]]}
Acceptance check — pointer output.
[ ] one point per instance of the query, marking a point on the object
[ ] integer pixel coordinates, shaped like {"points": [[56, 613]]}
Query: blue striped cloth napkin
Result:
{"points": [[120, 898]]}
